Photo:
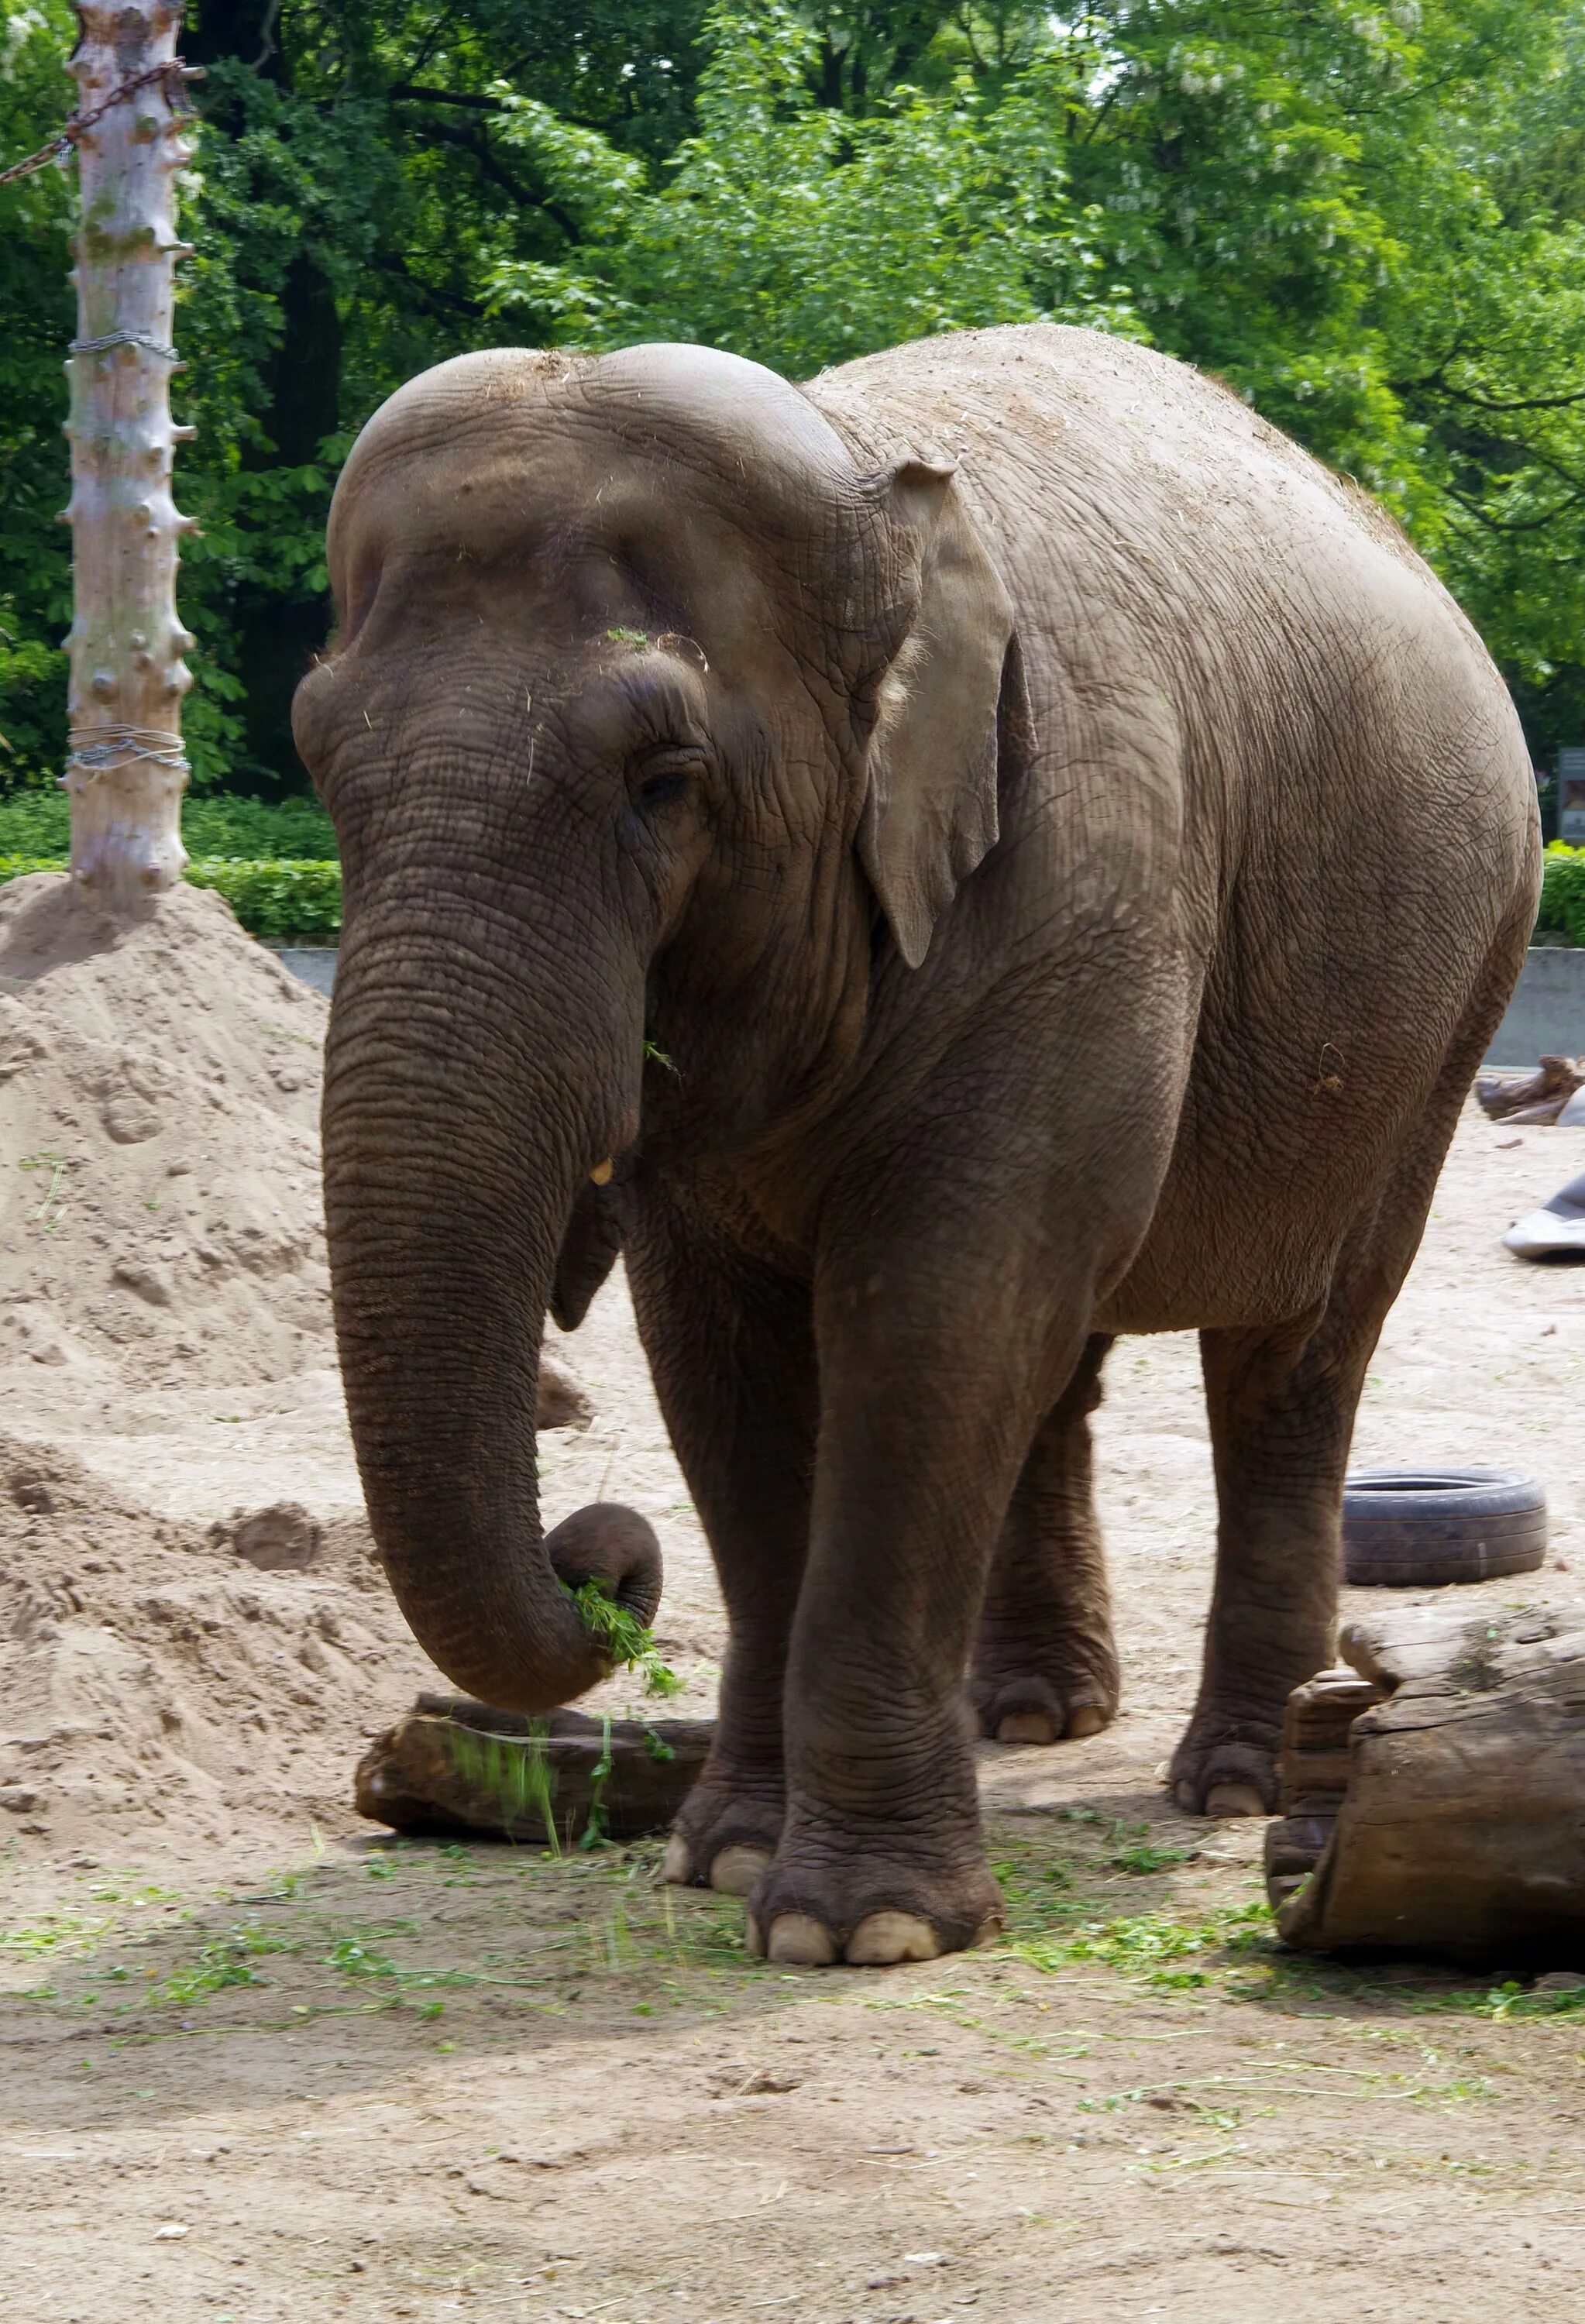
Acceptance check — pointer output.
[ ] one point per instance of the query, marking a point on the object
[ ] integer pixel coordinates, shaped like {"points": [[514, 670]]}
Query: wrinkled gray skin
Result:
{"points": [[1073, 890]]}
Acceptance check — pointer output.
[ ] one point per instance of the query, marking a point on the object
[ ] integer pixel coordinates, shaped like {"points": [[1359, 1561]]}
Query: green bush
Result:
{"points": [[273, 898], [301, 896], [277, 898], [1563, 894], [39, 823]]}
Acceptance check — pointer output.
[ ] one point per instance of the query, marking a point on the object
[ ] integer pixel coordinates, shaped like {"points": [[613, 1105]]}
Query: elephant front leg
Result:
{"points": [[733, 1355], [882, 1857], [1045, 1667]]}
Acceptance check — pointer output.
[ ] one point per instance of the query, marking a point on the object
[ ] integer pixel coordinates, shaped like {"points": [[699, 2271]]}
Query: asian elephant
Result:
{"points": [[986, 850]]}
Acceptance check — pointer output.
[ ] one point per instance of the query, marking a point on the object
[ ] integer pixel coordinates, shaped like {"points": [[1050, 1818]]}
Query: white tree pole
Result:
{"points": [[125, 770]]}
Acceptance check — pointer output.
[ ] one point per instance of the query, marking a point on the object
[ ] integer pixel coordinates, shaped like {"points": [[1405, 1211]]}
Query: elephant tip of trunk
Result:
{"points": [[615, 1547]]}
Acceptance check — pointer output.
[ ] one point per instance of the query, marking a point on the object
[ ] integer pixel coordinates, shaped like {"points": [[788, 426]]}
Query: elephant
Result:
{"points": [[986, 850]]}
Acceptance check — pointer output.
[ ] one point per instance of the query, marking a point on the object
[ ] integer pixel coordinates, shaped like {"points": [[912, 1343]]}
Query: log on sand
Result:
{"points": [[1434, 1793], [1539, 1097], [453, 1764]]}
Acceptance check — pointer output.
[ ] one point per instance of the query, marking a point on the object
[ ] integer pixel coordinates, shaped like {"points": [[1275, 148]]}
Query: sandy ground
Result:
{"points": [[282, 2068]]}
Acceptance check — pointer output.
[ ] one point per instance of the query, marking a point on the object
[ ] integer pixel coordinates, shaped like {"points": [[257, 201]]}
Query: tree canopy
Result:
{"points": [[1369, 219]]}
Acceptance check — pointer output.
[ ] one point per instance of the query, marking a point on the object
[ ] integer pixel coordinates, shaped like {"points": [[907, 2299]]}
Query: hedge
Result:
{"points": [[1563, 894], [295, 896], [245, 830], [277, 898]]}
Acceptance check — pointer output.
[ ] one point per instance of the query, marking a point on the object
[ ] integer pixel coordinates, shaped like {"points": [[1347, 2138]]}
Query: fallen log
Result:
{"points": [[1434, 1793], [1538, 1097], [453, 1764]]}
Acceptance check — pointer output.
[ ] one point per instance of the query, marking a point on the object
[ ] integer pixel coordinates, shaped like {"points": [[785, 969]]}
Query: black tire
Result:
{"points": [[1409, 1528]]}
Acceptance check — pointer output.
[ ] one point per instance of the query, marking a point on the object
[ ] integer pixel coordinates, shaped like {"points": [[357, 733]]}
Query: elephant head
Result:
{"points": [[652, 707]]}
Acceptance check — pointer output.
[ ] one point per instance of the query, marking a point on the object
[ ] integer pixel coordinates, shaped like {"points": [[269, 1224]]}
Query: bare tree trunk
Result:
{"points": [[125, 770]]}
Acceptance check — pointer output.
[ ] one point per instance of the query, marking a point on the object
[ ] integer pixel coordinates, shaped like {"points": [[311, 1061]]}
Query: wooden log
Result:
{"points": [[1539, 1097], [1459, 1833], [454, 1765], [1313, 1772]]}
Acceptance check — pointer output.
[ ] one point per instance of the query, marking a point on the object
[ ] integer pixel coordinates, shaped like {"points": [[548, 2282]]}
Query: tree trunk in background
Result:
{"points": [[126, 771]]}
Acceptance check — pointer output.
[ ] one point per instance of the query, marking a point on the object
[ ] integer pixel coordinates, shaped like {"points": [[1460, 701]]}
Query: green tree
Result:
{"points": [[1367, 219], [36, 315], [799, 235]]}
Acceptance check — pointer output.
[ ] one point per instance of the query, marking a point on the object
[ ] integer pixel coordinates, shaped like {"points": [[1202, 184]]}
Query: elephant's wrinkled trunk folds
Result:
{"points": [[459, 1120]]}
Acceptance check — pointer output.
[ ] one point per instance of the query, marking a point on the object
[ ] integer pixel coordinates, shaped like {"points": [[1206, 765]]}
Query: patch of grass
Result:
{"points": [[1144, 1855], [224, 1961], [1167, 1951], [55, 1933]]}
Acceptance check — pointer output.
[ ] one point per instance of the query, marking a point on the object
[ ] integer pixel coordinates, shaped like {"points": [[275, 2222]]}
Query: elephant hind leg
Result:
{"points": [[1045, 1667], [1281, 1404]]}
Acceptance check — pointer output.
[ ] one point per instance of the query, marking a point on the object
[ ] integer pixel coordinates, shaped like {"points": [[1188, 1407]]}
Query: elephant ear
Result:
{"points": [[948, 708]]}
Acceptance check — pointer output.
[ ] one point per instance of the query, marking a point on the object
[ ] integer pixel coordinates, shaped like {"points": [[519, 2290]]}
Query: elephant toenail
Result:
{"points": [[677, 1865], [737, 1870], [881, 1939], [1186, 1796], [987, 1933], [1089, 1719], [754, 1938], [1235, 1800], [799, 1941], [1026, 1727]]}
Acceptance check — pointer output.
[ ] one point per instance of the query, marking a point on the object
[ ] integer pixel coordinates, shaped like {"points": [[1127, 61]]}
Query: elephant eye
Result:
{"points": [[663, 776]]}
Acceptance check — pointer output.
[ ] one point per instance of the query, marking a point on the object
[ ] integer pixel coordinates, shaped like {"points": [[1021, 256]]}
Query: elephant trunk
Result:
{"points": [[462, 1113]]}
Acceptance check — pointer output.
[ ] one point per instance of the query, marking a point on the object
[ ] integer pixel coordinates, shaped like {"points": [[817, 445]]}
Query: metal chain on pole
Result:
{"points": [[63, 143]]}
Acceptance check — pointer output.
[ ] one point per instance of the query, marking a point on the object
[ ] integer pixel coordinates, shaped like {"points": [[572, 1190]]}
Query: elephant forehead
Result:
{"points": [[698, 400], [510, 450]]}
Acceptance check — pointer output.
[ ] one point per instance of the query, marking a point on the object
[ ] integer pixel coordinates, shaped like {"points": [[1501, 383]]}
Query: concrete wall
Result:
{"points": [[1546, 1014], [315, 963]]}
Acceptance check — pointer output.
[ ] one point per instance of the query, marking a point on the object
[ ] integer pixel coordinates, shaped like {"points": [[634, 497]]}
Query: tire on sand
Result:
{"points": [[1421, 1527]]}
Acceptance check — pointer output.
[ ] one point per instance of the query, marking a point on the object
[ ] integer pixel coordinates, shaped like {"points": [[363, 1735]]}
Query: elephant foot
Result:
{"points": [[868, 1909], [1225, 1766], [1024, 1693], [725, 1836]]}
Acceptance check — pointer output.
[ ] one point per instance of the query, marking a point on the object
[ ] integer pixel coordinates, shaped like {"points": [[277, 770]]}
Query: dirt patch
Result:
{"points": [[154, 1681], [257, 2064]]}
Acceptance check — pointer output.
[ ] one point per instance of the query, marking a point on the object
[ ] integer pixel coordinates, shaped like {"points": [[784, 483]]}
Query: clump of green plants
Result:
{"points": [[1167, 1951], [627, 1643]]}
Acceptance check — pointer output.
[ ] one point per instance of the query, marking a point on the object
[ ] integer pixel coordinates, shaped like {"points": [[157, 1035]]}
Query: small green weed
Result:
{"points": [[51, 1210]]}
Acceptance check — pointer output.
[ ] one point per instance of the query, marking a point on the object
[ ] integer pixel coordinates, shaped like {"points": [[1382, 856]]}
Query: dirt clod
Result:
{"points": [[283, 1538]]}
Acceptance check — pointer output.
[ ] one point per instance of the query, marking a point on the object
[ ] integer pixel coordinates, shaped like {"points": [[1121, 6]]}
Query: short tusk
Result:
{"points": [[601, 1173]]}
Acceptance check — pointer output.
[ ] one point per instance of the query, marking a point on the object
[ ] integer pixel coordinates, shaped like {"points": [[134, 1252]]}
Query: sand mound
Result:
{"points": [[152, 1674], [161, 1248], [159, 1170]]}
